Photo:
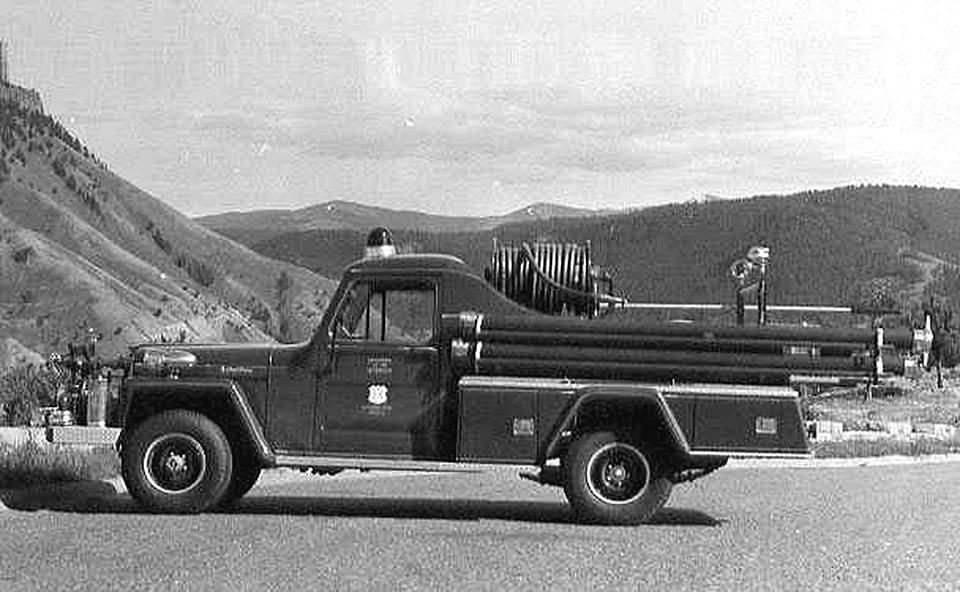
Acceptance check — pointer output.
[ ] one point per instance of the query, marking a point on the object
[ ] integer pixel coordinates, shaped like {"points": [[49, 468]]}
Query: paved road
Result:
{"points": [[884, 527]]}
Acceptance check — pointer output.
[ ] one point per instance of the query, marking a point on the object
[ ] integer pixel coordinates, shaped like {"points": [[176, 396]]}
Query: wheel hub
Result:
{"points": [[616, 476], [618, 473], [174, 463]]}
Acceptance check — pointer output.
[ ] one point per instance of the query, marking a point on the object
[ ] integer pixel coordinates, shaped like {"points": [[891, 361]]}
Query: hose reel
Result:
{"points": [[552, 278]]}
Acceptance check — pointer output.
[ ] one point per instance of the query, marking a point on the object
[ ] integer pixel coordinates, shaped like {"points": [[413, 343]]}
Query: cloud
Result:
{"points": [[383, 132], [447, 139], [547, 143], [531, 127]]}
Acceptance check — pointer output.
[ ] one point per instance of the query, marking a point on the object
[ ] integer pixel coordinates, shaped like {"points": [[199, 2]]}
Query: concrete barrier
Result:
{"points": [[900, 429], [89, 435], [60, 435], [825, 431], [832, 431], [942, 431], [864, 435]]}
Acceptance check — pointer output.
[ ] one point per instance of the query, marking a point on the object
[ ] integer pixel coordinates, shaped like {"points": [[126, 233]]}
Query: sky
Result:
{"points": [[476, 107]]}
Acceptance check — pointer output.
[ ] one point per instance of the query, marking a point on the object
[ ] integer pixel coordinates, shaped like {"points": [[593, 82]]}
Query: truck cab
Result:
{"points": [[376, 378]]}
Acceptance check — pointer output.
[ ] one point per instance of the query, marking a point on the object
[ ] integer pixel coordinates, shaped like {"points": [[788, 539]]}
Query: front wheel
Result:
{"points": [[246, 472], [609, 480], [177, 462]]}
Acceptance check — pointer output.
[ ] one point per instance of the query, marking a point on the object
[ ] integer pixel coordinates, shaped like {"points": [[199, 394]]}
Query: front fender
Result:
{"points": [[223, 401]]}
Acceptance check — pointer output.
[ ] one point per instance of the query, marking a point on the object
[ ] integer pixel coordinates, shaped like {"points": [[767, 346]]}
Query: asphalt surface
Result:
{"points": [[884, 526]]}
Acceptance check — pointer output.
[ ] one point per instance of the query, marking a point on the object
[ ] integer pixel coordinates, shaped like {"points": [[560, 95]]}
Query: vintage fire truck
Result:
{"points": [[422, 364]]}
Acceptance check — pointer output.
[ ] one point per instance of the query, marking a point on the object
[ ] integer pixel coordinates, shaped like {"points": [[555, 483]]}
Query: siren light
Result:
{"points": [[379, 244]]}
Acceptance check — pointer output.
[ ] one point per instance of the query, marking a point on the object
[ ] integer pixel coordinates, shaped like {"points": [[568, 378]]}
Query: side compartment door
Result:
{"points": [[381, 396]]}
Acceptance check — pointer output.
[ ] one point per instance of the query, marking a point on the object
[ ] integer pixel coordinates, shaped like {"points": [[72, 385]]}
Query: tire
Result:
{"points": [[177, 462], [609, 480], [245, 474]]}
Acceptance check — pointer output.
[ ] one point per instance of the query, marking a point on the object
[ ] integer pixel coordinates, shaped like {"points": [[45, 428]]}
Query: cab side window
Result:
{"points": [[387, 313], [409, 316]]}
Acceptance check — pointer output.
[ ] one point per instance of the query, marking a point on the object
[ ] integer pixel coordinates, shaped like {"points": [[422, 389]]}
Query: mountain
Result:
{"points": [[841, 246], [259, 225], [84, 253]]}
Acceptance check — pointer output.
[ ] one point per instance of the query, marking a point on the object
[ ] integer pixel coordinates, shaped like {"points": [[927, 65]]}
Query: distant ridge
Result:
{"points": [[836, 246], [259, 225]]}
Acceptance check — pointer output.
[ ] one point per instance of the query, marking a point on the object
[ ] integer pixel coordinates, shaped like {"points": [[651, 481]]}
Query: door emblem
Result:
{"points": [[377, 401], [377, 394]]}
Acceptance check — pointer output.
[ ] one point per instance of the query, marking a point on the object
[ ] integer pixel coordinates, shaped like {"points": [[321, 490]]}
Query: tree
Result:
{"points": [[285, 307], [878, 294]]}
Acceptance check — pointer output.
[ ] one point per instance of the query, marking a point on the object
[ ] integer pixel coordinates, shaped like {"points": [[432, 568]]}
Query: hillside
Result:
{"points": [[829, 247], [83, 252], [253, 227]]}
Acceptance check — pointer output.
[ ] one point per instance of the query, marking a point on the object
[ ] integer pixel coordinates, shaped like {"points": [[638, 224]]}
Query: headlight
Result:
{"points": [[169, 358]]}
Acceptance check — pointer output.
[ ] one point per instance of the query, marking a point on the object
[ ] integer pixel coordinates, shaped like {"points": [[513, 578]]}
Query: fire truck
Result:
{"points": [[422, 364]]}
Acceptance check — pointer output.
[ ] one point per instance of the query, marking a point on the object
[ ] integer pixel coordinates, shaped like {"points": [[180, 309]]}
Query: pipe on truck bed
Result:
{"points": [[854, 362], [607, 349], [680, 343], [476, 326]]}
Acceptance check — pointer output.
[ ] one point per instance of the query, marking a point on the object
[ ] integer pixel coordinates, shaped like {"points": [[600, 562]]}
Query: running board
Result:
{"points": [[388, 464], [747, 454]]}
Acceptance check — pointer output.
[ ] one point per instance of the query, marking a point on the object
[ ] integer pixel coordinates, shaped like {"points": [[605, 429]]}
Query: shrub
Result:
{"points": [[257, 310], [58, 167], [24, 389], [23, 255], [198, 271], [885, 447]]}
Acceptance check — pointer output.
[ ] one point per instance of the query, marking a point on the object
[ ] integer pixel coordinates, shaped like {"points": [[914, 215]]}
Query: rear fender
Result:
{"points": [[637, 411], [223, 401]]}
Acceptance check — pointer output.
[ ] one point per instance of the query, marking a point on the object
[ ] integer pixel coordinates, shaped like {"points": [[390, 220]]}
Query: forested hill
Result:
{"points": [[828, 247], [84, 252]]}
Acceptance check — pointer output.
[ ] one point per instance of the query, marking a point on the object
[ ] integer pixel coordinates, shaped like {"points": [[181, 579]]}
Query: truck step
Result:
{"points": [[549, 475]]}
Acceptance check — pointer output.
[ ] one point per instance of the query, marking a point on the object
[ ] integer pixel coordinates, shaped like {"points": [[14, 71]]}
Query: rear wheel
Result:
{"points": [[177, 461], [610, 480]]}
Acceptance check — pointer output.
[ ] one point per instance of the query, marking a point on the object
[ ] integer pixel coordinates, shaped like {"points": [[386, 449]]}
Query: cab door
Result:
{"points": [[381, 394]]}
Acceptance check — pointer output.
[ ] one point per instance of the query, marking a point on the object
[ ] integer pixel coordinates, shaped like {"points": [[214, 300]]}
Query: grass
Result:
{"points": [[915, 400], [885, 447], [30, 464]]}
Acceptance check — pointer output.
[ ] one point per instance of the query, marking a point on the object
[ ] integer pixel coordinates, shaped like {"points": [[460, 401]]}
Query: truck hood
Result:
{"points": [[194, 354]]}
